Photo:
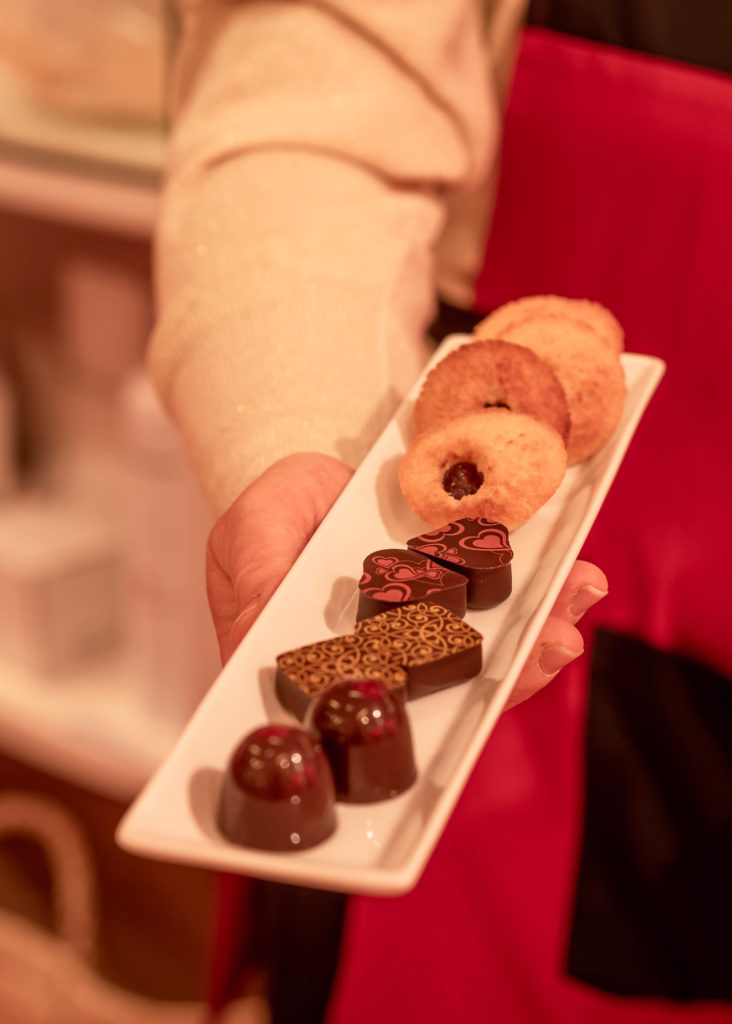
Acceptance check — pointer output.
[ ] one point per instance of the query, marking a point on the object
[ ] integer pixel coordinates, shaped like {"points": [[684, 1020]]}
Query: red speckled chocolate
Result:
{"points": [[365, 733], [278, 791]]}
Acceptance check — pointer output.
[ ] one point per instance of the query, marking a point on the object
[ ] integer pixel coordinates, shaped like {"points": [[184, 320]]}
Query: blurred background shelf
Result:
{"points": [[84, 198], [79, 197], [83, 132], [118, 147], [86, 172], [88, 725]]}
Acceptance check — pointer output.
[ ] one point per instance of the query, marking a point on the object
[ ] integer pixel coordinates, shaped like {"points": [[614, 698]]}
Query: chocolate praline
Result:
{"points": [[435, 648], [305, 672], [416, 648], [479, 549], [393, 577], [365, 733], [278, 791]]}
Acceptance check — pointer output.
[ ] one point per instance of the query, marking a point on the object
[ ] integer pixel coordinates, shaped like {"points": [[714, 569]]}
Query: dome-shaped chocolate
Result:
{"points": [[278, 791], [365, 733]]}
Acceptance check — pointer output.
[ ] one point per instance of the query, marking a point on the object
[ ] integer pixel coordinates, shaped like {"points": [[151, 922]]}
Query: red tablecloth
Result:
{"points": [[616, 184]]}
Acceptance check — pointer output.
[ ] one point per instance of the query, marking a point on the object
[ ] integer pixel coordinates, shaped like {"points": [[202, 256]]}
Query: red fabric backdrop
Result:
{"points": [[615, 185]]}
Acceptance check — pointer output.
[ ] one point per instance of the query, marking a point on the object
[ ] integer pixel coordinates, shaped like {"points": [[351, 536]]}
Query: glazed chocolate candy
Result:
{"points": [[417, 647], [393, 577], [365, 733], [278, 791], [477, 548]]}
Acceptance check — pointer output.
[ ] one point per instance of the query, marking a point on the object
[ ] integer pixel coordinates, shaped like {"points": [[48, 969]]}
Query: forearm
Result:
{"points": [[315, 147], [302, 329]]}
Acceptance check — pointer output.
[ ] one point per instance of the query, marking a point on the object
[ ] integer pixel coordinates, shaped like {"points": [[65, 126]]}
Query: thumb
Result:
{"points": [[253, 545]]}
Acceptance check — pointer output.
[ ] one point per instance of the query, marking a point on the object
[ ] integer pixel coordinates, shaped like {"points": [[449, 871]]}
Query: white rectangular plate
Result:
{"points": [[378, 848]]}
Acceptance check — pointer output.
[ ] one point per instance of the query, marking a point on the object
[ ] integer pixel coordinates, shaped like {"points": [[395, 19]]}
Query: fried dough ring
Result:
{"points": [[517, 462], [588, 370], [586, 311], [482, 374]]}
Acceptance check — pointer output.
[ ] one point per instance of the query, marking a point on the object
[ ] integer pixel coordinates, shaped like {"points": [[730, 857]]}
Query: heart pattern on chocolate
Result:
{"points": [[476, 543], [393, 594], [401, 569], [393, 577]]}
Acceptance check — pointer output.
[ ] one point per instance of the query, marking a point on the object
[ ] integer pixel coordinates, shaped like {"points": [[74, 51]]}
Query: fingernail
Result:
{"points": [[553, 658], [583, 600]]}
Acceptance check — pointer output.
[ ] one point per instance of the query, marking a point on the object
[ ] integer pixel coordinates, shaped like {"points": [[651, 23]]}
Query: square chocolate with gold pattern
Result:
{"points": [[414, 649], [434, 646]]}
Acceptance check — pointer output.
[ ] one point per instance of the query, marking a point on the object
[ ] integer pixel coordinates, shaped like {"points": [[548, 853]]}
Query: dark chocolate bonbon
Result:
{"points": [[419, 647], [278, 791], [434, 646], [479, 549], [365, 734], [393, 576], [305, 672]]}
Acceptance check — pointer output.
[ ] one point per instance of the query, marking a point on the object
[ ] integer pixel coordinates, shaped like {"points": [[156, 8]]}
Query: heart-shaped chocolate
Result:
{"points": [[415, 649], [478, 549], [393, 577]]}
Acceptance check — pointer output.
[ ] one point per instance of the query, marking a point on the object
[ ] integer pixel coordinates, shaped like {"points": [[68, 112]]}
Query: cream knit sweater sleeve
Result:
{"points": [[315, 151]]}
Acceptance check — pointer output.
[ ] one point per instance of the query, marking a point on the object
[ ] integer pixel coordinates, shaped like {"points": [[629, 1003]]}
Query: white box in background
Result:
{"points": [[59, 583]]}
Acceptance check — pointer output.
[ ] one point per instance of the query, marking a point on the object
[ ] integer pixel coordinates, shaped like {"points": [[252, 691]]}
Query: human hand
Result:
{"points": [[255, 542], [559, 641]]}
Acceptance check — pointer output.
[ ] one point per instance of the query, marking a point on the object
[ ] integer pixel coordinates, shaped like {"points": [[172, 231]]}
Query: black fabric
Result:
{"points": [[654, 890], [453, 320], [298, 936], [693, 31]]}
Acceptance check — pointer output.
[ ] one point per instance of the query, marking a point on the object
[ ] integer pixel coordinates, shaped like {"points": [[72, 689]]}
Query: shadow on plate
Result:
{"points": [[399, 520], [203, 799], [340, 611]]}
